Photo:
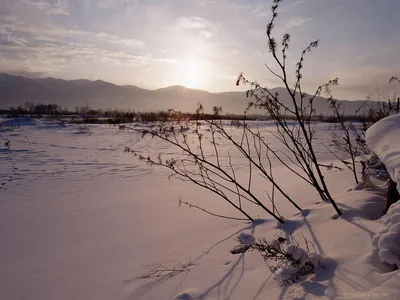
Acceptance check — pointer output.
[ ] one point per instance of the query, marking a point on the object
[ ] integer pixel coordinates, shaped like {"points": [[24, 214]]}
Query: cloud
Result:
{"points": [[105, 4], [390, 49], [367, 80], [15, 24], [207, 34], [47, 31], [54, 7], [114, 39], [365, 56], [3, 31], [231, 77], [192, 22], [260, 53], [297, 22], [379, 53], [52, 56], [291, 6], [199, 25], [261, 11], [206, 3], [12, 42], [26, 72]]}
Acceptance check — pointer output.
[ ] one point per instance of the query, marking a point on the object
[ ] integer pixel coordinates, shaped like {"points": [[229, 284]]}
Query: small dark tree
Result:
{"points": [[30, 107], [40, 110], [82, 110]]}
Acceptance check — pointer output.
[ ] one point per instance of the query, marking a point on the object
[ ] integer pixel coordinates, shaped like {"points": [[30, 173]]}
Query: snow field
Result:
{"points": [[81, 219]]}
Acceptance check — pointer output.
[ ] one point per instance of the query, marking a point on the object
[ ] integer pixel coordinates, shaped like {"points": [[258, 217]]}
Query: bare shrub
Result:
{"points": [[208, 168], [7, 144], [288, 261], [163, 271], [297, 137], [351, 140]]}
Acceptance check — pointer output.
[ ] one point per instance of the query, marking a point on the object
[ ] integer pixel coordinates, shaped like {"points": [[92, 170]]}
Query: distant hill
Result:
{"points": [[16, 90]]}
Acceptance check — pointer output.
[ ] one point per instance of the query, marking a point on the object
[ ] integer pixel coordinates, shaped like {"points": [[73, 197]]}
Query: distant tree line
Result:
{"points": [[86, 114]]}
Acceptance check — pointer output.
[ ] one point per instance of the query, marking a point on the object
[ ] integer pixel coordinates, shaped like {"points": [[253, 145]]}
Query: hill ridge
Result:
{"points": [[16, 90]]}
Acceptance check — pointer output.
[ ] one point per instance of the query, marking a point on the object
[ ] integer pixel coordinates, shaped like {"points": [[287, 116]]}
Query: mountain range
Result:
{"points": [[16, 90]]}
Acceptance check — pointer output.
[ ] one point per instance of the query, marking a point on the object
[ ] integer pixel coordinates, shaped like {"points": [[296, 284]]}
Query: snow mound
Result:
{"points": [[309, 264], [383, 139], [366, 205], [386, 243], [317, 260], [284, 274], [372, 207], [246, 239], [184, 296]]}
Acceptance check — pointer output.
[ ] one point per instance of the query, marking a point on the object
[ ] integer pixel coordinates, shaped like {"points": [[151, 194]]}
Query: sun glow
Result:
{"points": [[192, 74]]}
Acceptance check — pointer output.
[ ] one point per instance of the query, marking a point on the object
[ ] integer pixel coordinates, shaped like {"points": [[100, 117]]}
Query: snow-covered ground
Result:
{"points": [[81, 219]]}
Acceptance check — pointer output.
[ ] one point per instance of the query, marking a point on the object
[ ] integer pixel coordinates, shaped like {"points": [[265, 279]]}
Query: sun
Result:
{"points": [[192, 74]]}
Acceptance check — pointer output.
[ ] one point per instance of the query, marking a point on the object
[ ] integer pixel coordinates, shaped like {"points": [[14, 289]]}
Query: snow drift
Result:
{"points": [[385, 243], [383, 139]]}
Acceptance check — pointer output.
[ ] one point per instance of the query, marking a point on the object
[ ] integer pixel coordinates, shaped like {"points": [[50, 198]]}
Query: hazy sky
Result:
{"points": [[201, 44]]}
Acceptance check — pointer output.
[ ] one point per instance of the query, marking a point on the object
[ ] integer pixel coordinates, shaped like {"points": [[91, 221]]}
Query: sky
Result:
{"points": [[203, 44]]}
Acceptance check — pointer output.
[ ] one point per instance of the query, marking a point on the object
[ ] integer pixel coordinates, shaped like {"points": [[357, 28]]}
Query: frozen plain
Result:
{"points": [[81, 219]]}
